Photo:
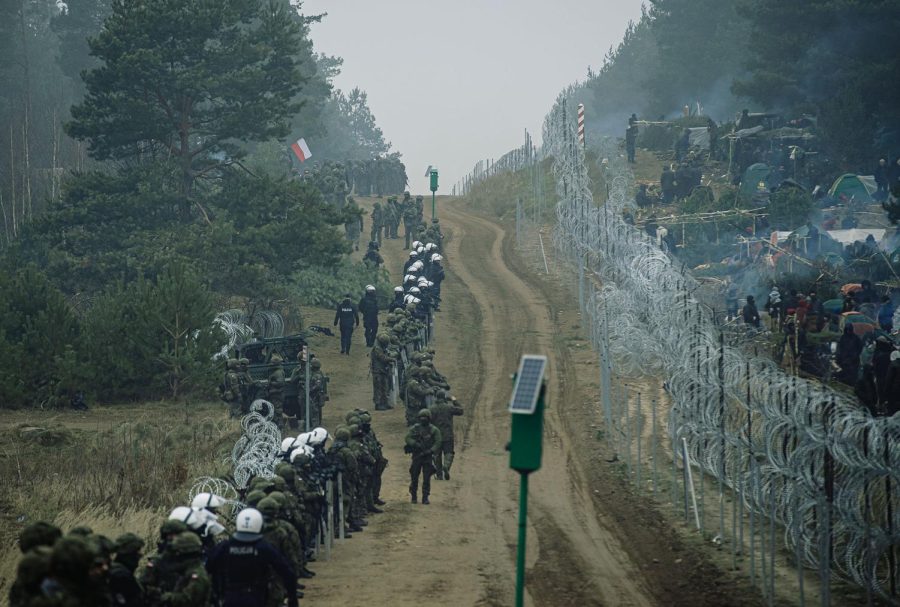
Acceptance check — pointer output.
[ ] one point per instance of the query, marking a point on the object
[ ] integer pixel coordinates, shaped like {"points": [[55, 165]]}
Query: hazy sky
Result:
{"points": [[454, 82]]}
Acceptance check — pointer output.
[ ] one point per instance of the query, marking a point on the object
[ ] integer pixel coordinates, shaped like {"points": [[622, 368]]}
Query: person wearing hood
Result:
{"points": [[847, 357], [750, 313]]}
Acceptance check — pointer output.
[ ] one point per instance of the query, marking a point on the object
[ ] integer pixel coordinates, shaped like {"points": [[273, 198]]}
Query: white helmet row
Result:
{"points": [[424, 283], [417, 266], [415, 290], [413, 254], [430, 246], [196, 519]]}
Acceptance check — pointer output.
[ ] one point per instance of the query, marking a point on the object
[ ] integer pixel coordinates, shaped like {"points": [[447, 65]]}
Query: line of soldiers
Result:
{"points": [[401, 361], [386, 218], [196, 563], [239, 389]]}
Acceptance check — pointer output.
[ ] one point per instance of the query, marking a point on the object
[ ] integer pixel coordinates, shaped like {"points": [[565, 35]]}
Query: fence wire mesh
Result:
{"points": [[793, 451]]}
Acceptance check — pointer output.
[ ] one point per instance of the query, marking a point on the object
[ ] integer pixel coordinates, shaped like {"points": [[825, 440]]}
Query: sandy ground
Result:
{"points": [[589, 542]]}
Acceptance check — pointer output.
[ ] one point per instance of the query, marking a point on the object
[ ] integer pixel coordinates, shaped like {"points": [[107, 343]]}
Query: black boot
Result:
{"points": [[425, 499]]}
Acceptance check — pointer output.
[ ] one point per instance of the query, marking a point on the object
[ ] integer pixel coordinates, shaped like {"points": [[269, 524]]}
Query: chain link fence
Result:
{"points": [[811, 475]]}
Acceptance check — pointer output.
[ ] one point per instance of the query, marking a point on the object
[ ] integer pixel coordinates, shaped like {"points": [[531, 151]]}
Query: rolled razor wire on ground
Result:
{"points": [[256, 452], [794, 449]]}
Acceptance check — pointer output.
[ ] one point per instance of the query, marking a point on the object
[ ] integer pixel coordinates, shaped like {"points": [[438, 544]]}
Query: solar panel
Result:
{"points": [[528, 384]]}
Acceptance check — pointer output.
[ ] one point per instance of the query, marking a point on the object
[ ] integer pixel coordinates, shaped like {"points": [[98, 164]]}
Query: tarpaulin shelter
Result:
{"points": [[852, 186], [753, 176]]}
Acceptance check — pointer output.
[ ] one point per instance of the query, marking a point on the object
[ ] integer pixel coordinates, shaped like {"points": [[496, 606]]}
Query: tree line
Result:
{"points": [[147, 182]]}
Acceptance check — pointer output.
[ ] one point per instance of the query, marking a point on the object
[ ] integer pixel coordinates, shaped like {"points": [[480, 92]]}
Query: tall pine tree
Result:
{"points": [[189, 80]]}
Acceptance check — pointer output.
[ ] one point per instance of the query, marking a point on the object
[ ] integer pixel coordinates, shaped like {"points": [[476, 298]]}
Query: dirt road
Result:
{"points": [[460, 550]]}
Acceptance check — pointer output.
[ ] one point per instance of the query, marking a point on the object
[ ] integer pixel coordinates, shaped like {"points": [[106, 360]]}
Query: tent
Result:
{"points": [[753, 176], [853, 186]]}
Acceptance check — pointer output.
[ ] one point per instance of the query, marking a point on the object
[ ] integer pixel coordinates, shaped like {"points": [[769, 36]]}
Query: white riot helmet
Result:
{"points": [[430, 246], [417, 266], [189, 516], [409, 278], [303, 438], [413, 254], [370, 288], [319, 436], [209, 522], [416, 244], [398, 289], [288, 444], [207, 501], [415, 290], [248, 524], [420, 249], [424, 284], [436, 258]]}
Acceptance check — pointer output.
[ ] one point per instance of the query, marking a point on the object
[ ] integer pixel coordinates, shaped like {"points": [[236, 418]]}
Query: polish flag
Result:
{"points": [[301, 150]]}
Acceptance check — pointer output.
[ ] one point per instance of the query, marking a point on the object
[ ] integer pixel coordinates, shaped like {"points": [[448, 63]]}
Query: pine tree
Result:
{"points": [[190, 80]]}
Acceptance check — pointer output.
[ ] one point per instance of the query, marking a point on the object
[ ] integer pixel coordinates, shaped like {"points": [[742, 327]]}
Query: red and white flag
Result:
{"points": [[301, 150]]}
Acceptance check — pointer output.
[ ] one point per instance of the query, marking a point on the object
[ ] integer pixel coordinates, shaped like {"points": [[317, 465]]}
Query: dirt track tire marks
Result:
{"points": [[577, 560]]}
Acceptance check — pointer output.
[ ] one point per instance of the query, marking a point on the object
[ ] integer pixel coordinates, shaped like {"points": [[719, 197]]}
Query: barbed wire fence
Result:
{"points": [[797, 459]]}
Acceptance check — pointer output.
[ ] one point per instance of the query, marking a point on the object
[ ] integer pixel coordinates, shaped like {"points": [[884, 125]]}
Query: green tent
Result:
{"points": [[849, 186], [753, 176]]}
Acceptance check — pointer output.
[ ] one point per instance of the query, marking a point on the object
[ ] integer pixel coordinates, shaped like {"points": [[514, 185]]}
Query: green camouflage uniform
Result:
{"points": [[381, 365], [349, 469], [442, 413], [423, 441], [231, 388], [377, 223], [192, 587], [275, 392], [276, 533]]}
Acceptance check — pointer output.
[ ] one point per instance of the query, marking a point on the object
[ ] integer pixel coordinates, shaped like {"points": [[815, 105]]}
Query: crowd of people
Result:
{"points": [[261, 555], [851, 339]]}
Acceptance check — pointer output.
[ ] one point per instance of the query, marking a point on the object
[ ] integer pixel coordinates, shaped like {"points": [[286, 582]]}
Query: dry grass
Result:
{"points": [[114, 469]]}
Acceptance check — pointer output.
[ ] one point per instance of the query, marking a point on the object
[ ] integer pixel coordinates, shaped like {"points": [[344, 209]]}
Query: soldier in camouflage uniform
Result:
{"points": [[318, 392], [36, 542], [378, 217], [290, 515], [345, 460], [410, 220], [311, 494], [299, 510], [417, 393], [354, 224], [159, 574], [423, 440], [381, 366], [123, 587], [420, 210], [192, 586], [365, 466], [443, 410], [275, 391], [276, 532], [248, 385], [298, 378], [375, 448], [231, 388]]}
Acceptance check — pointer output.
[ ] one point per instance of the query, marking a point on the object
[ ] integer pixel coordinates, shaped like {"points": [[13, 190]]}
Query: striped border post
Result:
{"points": [[581, 124]]}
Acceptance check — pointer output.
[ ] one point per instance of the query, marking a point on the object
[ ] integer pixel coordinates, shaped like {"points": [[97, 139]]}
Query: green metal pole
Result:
{"points": [[432, 205], [520, 554]]}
